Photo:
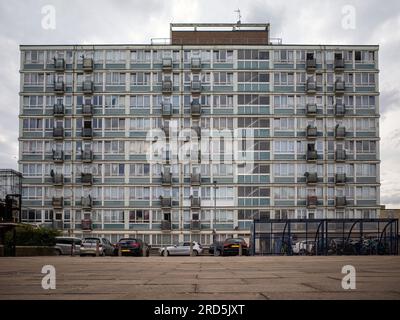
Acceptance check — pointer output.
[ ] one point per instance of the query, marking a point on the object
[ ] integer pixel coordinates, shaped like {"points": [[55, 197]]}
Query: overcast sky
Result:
{"points": [[136, 21]]}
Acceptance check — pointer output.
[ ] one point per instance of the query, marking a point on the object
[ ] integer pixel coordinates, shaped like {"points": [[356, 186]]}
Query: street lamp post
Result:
{"points": [[214, 216]]}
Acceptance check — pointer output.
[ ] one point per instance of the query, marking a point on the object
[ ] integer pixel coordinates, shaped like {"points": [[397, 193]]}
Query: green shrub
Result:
{"points": [[27, 235]]}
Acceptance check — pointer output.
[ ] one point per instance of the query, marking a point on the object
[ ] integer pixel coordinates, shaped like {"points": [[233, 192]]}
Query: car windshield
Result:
{"points": [[91, 240], [234, 240], [127, 241]]}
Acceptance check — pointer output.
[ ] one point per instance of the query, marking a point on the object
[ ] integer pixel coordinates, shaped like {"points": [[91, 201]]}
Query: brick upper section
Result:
{"points": [[240, 37]]}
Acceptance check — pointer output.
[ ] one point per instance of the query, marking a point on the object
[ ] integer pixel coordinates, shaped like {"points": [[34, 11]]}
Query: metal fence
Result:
{"points": [[325, 237]]}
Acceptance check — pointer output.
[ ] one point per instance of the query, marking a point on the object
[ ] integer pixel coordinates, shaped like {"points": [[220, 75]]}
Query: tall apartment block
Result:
{"points": [[129, 140]]}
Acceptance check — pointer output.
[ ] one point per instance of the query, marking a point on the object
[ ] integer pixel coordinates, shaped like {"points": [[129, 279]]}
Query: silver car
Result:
{"points": [[64, 245], [182, 249], [89, 247]]}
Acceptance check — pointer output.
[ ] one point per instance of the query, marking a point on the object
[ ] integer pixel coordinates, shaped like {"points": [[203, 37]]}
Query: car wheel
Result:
{"points": [[218, 252]]}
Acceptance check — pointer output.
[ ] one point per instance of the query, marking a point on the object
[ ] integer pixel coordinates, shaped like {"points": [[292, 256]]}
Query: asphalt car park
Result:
{"points": [[202, 277]]}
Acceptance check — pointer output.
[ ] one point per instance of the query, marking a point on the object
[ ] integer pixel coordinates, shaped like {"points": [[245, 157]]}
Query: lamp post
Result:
{"points": [[215, 213]]}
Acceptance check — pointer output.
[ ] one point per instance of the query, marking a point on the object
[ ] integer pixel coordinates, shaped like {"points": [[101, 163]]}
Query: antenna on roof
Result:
{"points": [[239, 16]]}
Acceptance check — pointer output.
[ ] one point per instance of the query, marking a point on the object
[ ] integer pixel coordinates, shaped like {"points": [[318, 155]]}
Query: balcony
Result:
{"points": [[311, 86], [166, 178], [58, 110], [166, 109], [165, 202], [195, 225], [59, 64], [311, 109], [58, 156], [87, 86], [87, 64], [166, 225], [311, 177], [195, 86], [87, 109], [338, 64], [167, 86], [311, 132], [58, 133], [340, 155], [311, 64], [195, 108], [87, 155], [340, 132], [195, 64], [195, 202], [340, 178], [87, 133], [312, 155], [57, 178], [86, 202], [165, 129], [340, 202], [195, 179], [86, 224], [166, 64], [312, 201], [58, 202], [340, 109], [339, 87], [59, 87], [87, 178]]}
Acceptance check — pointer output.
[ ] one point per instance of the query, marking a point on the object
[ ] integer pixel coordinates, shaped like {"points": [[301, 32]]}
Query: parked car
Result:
{"points": [[182, 249], [132, 246], [89, 245], [216, 248], [231, 247], [64, 245]]}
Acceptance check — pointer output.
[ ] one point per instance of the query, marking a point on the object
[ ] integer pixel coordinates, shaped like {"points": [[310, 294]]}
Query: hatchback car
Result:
{"points": [[89, 247], [132, 246], [64, 245], [231, 246], [182, 249]]}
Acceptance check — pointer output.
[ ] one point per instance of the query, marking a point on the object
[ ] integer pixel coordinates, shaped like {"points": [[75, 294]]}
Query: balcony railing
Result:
{"points": [[195, 225], [87, 155], [166, 202], [340, 202], [167, 64], [58, 179], [167, 86], [87, 109], [87, 86], [58, 155], [87, 178], [59, 87], [311, 177], [166, 178], [166, 225], [195, 64], [311, 109], [87, 133], [311, 132], [58, 110], [58, 202], [87, 64], [312, 155], [166, 109], [340, 132], [311, 64], [340, 86], [86, 224], [195, 202], [340, 178], [340, 109], [58, 133], [195, 86], [86, 202], [59, 64], [311, 86], [312, 201], [339, 64], [340, 155], [195, 179], [195, 108]]}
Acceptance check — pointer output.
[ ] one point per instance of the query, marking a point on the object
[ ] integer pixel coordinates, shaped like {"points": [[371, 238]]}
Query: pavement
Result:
{"points": [[202, 277]]}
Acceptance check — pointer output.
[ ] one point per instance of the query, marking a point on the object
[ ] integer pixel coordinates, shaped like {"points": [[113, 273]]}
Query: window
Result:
{"points": [[139, 216], [223, 78], [32, 124], [115, 102], [283, 78], [222, 170], [223, 216], [364, 56], [32, 193], [115, 56], [115, 78], [114, 169], [114, 124], [33, 79], [252, 77], [253, 192], [366, 193], [284, 124], [140, 101], [32, 147], [283, 55], [365, 124], [140, 56], [283, 146], [115, 146], [284, 193], [366, 170], [113, 216], [252, 99], [32, 169], [34, 57], [284, 170], [139, 170], [140, 79], [139, 193], [284, 102], [139, 147], [223, 56], [223, 101], [113, 193], [253, 122], [142, 124], [365, 79], [366, 146], [367, 102], [245, 54]]}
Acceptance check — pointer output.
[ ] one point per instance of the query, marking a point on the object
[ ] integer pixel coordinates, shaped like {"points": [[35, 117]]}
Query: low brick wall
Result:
{"points": [[29, 251]]}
